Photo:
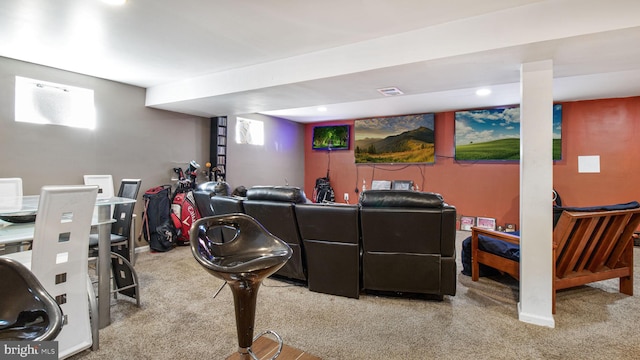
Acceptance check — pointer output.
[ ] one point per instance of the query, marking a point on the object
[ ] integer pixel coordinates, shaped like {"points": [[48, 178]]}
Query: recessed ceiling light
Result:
{"points": [[114, 2], [483, 92], [322, 108]]}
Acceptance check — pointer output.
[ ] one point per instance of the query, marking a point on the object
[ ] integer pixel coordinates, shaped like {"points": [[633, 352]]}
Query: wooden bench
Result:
{"points": [[587, 247]]}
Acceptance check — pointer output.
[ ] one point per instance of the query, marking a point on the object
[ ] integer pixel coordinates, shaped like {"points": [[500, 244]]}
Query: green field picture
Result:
{"points": [[395, 139], [494, 134]]}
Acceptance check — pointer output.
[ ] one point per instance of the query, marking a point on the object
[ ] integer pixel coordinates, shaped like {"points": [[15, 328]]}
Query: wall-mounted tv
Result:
{"points": [[395, 139], [494, 134], [330, 137]]}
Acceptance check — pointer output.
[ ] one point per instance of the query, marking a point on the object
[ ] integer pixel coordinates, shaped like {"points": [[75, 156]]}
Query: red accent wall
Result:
{"points": [[609, 128]]}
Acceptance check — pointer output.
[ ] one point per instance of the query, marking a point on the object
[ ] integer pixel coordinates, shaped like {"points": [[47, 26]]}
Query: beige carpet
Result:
{"points": [[179, 319]]}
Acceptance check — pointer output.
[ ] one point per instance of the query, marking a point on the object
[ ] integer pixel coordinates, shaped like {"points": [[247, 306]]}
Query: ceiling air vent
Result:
{"points": [[390, 91]]}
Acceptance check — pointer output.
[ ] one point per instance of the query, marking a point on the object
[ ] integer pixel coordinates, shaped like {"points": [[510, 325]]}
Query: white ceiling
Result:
{"points": [[286, 57]]}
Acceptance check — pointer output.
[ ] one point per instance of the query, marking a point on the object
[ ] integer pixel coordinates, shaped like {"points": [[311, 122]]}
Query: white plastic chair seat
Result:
{"points": [[24, 257]]}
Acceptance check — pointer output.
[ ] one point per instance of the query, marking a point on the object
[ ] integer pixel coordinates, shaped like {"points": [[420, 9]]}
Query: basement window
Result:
{"points": [[42, 102], [249, 132]]}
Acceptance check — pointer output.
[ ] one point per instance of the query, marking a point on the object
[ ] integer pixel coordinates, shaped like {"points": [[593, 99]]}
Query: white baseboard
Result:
{"points": [[535, 319]]}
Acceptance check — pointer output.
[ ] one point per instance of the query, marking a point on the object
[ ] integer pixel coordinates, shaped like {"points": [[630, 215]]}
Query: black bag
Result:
{"points": [[323, 192], [157, 226]]}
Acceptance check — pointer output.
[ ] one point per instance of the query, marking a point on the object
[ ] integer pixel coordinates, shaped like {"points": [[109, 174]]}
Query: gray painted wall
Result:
{"points": [[281, 157], [133, 141], [130, 140]]}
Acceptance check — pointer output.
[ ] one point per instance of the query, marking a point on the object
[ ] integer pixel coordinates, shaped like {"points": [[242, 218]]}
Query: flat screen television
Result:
{"points": [[494, 134], [395, 139], [330, 137]]}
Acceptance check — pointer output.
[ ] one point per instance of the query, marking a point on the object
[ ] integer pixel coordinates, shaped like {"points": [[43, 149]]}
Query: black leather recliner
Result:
{"points": [[224, 205], [209, 204], [227, 204], [203, 202], [331, 238], [408, 241], [274, 208]]}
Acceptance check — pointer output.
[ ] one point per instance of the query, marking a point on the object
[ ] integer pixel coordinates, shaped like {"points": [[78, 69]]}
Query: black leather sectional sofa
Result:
{"points": [[392, 241]]}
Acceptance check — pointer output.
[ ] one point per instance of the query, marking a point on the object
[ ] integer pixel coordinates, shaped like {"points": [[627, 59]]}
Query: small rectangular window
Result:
{"points": [[42, 102], [249, 132]]}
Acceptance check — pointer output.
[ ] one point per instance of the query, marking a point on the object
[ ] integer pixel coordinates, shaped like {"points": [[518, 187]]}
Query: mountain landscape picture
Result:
{"points": [[395, 139], [494, 134]]}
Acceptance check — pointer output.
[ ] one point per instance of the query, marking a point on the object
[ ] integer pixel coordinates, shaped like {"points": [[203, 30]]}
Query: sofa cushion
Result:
{"points": [[276, 193], [331, 238], [336, 223], [401, 198]]}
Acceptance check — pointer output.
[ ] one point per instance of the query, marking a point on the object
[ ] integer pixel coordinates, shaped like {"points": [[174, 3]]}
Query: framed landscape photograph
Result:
{"points": [[395, 139], [494, 134]]}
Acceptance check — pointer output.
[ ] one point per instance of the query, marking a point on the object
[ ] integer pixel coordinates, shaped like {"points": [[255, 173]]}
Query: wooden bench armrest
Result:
{"points": [[514, 239], [497, 262]]}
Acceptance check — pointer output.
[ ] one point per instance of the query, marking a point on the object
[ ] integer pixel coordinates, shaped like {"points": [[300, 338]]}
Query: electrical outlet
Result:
{"points": [[346, 196]]}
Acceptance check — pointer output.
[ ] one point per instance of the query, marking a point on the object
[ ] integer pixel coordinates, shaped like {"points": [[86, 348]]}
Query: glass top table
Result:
{"points": [[15, 205], [21, 211], [23, 232]]}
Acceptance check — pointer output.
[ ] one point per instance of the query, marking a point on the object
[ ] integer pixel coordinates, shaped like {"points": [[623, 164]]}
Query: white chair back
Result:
{"points": [[60, 258], [105, 188], [105, 185], [10, 194]]}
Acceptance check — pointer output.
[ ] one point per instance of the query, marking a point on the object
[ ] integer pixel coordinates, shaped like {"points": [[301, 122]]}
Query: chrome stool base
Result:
{"points": [[248, 350]]}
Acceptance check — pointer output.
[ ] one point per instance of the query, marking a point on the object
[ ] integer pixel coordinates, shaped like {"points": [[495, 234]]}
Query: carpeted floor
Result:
{"points": [[180, 319]]}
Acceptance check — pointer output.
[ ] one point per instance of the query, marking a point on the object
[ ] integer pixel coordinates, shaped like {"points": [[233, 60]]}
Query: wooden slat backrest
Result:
{"points": [[588, 253], [583, 230], [608, 241], [592, 240], [626, 238]]}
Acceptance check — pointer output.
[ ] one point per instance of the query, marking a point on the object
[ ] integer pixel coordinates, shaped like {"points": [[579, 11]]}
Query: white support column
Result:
{"points": [[536, 185]]}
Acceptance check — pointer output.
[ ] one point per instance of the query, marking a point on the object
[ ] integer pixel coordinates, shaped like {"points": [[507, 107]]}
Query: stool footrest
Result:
{"points": [[278, 338]]}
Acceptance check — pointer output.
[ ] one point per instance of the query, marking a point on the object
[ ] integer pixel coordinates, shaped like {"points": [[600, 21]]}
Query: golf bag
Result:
{"points": [[323, 192], [184, 213], [157, 227]]}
